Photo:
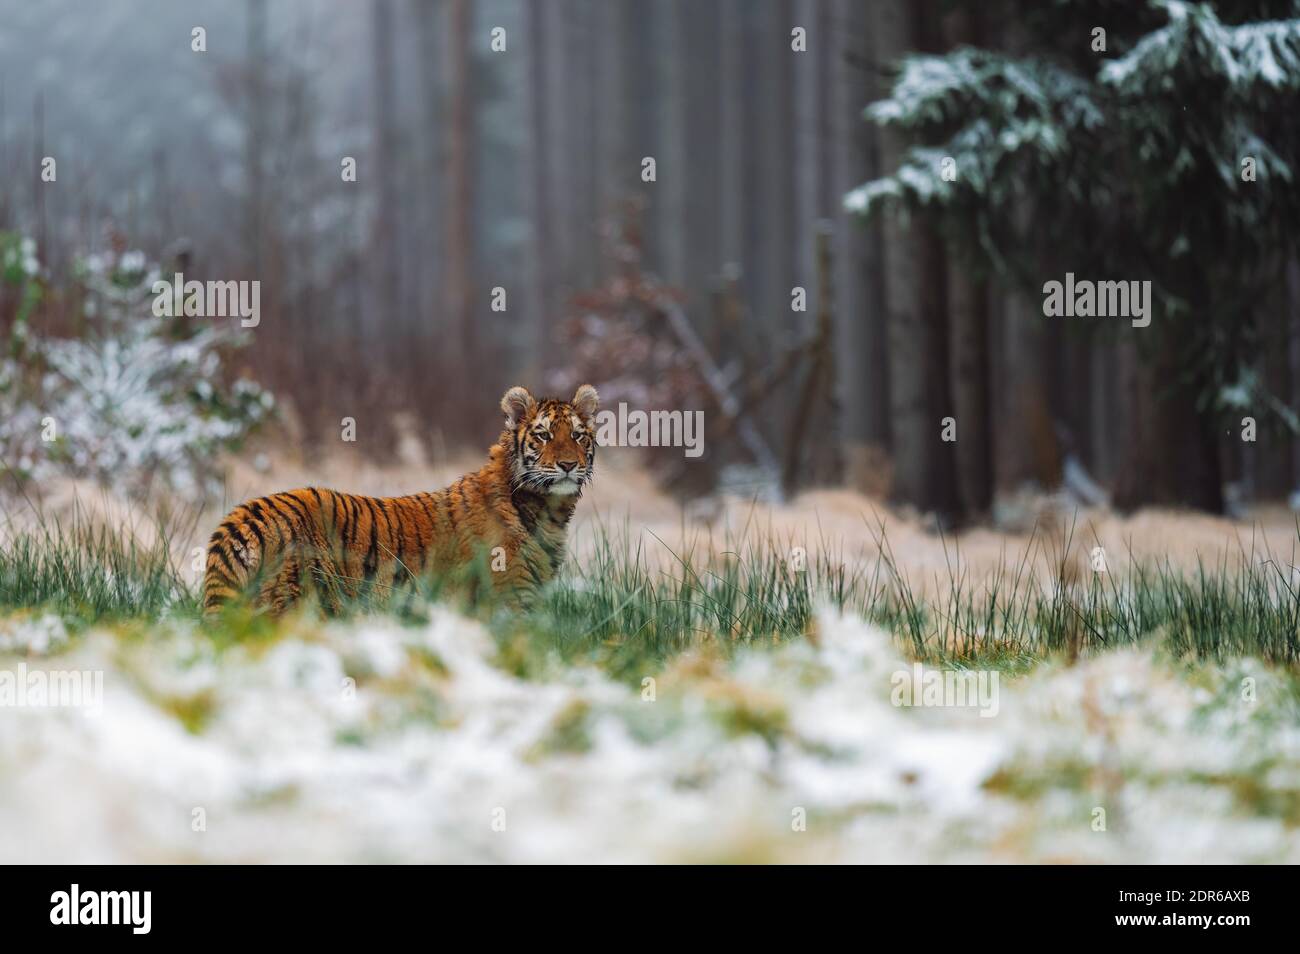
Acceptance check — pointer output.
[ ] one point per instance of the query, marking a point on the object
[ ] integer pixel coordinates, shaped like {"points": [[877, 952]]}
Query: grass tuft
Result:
{"points": [[628, 612], [87, 572]]}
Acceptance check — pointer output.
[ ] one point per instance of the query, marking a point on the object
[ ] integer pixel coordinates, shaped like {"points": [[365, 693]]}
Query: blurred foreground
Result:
{"points": [[686, 693], [378, 743]]}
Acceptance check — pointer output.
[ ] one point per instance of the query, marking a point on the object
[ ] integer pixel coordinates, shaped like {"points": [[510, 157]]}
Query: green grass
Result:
{"points": [[620, 609], [87, 572], [627, 611]]}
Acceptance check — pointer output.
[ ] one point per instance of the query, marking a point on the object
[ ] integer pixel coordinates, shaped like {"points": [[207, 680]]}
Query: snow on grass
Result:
{"points": [[34, 635], [375, 742]]}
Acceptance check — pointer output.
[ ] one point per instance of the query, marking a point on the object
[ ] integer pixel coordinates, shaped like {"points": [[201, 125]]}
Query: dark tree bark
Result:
{"points": [[1293, 358], [778, 157], [731, 133], [925, 466], [670, 190], [1173, 457], [459, 191], [538, 165], [428, 29], [703, 234], [255, 141], [968, 310], [385, 258]]}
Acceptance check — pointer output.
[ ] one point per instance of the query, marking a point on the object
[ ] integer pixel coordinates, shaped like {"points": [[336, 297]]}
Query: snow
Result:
{"points": [[375, 742], [1266, 53], [35, 635], [128, 405]]}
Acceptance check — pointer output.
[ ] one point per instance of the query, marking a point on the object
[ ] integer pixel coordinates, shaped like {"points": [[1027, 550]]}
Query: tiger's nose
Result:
{"points": [[568, 466]]}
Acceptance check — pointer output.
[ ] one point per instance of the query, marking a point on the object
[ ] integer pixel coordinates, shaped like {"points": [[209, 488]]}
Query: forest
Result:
{"points": [[934, 498], [836, 220]]}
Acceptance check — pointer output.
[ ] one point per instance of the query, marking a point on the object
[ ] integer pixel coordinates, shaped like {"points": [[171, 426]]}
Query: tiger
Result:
{"points": [[515, 510]]}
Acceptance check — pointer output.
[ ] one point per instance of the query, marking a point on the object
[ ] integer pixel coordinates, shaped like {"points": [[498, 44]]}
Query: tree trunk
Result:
{"points": [[433, 320], [1172, 457], [1293, 359], [968, 306], [536, 161], [255, 141], [925, 472], [968, 309], [703, 230], [731, 132], [384, 259], [1026, 451], [807, 143], [670, 189], [778, 161], [614, 172], [858, 312], [459, 195]]}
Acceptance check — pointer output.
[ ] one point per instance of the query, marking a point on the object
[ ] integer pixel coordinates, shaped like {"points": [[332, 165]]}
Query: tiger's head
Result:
{"points": [[554, 442]]}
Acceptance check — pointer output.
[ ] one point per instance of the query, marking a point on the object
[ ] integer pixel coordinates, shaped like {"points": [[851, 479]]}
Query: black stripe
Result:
{"points": [[464, 499], [419, 498], [259, 510], [453, 519], [424, 505], [341, 522], [258, 513], [400, 536], [225, 558], [294, 504], [527, 516], [332, 531], [371, 562], [257, 532], [299, 517], [388, 524], [288, 517], [355, 506], [215, 572], [320, 504], [233, 531]]}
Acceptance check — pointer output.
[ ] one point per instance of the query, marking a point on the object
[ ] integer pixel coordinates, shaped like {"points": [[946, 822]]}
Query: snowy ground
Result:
{"points": [[373, 742]]}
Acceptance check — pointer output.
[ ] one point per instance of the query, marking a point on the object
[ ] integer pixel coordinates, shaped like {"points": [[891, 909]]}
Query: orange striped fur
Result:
{"points": [[275, 549]]}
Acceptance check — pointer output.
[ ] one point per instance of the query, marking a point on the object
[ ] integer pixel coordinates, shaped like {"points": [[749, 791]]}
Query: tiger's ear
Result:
{"points": [[586, 400], [518, 404]]}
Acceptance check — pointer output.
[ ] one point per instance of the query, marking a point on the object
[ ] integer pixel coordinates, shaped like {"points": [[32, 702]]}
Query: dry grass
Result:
{"points": [[841, 524]]}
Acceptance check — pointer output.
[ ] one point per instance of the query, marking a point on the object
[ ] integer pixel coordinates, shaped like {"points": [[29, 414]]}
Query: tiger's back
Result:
{"points": [[274, 547]]}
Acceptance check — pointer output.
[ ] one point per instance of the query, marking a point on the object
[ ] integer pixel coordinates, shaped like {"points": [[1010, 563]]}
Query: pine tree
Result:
{"points": [[1169, 156]]}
